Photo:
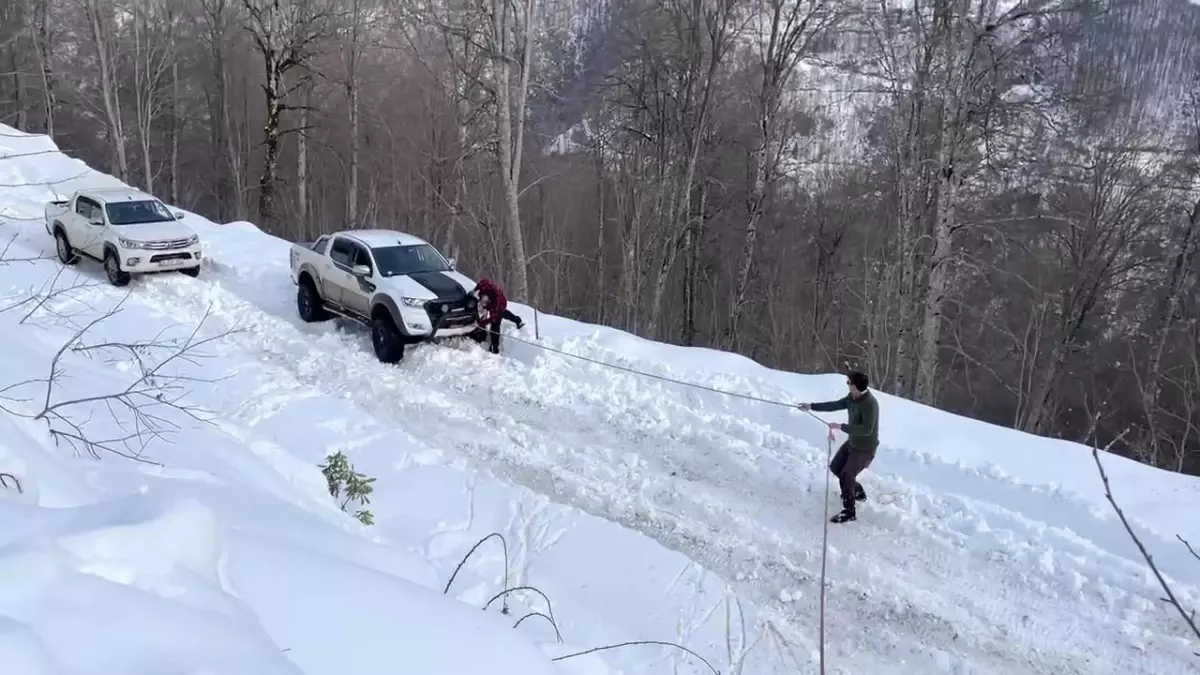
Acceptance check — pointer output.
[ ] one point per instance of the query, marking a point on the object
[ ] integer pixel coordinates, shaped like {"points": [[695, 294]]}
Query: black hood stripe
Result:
{"points": [[442, 285]]}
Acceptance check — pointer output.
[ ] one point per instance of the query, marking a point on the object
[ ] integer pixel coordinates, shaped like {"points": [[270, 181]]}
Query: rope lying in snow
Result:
{"points": [[747, 397]]}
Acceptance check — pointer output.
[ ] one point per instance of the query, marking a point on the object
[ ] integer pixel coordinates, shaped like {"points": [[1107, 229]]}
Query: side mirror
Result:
{"points": [[453, 263], [360, 271], [179, 215]]}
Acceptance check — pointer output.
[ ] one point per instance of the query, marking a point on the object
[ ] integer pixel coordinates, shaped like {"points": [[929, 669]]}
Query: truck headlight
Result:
{"points": [[412, 302], [191, 241], [130, 243]]}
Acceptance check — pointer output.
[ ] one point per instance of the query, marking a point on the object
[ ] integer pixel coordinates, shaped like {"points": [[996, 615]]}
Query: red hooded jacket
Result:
{"points": [[495, 310]]}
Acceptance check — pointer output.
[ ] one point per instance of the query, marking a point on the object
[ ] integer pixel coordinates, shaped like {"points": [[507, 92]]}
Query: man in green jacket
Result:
{"points": [[857, 453]]}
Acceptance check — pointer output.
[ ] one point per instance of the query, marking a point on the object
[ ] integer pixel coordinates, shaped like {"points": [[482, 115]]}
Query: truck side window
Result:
{"points": [[86, 208], [341, 252], [361, 257], [319, 247]]}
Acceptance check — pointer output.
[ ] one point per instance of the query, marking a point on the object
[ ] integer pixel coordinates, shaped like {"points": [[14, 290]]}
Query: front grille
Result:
{"points": [[167, 245], [170, 256], [451, 313]]}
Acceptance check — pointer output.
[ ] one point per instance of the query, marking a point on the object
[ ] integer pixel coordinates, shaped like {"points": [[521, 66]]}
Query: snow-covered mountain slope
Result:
{"points": [[643, 509]]}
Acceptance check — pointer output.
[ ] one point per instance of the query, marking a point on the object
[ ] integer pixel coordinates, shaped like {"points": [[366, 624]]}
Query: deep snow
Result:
{"points": [[643, 510]]}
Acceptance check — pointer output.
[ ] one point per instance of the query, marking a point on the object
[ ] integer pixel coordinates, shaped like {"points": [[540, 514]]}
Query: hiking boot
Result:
{"points": [[860, 495], [845, 516]]}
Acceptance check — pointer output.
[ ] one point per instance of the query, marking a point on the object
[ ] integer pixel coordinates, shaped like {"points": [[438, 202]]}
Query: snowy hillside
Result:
{"points": [[643, 510]]}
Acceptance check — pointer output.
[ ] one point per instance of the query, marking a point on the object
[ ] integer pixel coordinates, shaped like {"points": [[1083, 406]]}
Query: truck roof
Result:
{"points": [[116, 194], [381, 238]]}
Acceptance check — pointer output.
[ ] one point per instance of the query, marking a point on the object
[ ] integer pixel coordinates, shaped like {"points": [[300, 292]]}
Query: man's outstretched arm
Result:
{"points": [[830, 406]]}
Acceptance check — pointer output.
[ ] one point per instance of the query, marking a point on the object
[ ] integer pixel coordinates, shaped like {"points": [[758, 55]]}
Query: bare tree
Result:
{"points": [[153, 26], [793, 29], [287, 36], [102, 32]]}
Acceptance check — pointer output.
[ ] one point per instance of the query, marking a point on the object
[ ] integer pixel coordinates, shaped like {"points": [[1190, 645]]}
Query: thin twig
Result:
{"points": [[1189, 547], [505, 592], [551, 621], [638, 642], [503, 543], [1188, 618], [17, 481]]}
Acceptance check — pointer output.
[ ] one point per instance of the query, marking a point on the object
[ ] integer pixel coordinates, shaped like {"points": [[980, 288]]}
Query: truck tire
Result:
{"points": [[192, 272], [66, 254], [387, 341], [112, 268], [308, 303]]}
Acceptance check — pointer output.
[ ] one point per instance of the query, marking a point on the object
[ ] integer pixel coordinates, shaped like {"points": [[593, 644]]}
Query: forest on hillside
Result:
{"points": [[991, 207]]}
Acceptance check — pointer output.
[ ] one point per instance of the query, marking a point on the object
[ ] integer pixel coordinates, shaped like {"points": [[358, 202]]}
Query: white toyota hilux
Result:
{"points": [[131, 232], [397, 284]]}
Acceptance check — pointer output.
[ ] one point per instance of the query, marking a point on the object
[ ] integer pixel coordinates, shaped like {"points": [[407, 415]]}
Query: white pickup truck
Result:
{"points": [[399, 285], [129, 231]]}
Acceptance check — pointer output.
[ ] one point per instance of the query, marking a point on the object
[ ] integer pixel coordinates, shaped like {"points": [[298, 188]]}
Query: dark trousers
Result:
{"points": [[491, 334], [847, 463]]}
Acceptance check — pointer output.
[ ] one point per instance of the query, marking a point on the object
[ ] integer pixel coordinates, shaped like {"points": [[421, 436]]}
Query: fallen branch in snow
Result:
{"points": [[549, 608], [1189, 618], [518, 623], [6, 260], [504, 593], [41, 299], [634, 643], [16, 481], [1189, 547], [143, 400], [503, 543]]}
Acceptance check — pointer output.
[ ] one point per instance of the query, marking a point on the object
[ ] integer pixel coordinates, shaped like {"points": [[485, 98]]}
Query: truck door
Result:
{"points": [[86, 228], [356, 294], [338, 277]]}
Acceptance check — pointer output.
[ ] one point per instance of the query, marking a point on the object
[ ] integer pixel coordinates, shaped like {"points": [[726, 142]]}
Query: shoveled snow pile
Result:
{"points": [[638, 509]]}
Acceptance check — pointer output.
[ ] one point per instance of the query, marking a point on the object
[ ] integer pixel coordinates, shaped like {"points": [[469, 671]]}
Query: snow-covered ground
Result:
{"points": [[643, 510]]}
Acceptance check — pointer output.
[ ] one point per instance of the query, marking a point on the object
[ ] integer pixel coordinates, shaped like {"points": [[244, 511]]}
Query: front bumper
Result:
{"points": [[440, 318], [150, 260]]}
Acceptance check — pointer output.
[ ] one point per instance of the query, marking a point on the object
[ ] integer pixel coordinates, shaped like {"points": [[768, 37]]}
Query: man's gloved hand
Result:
{"points": [[520, 324]]}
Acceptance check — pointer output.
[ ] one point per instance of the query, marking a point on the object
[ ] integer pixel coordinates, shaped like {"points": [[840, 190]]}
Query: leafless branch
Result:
{"points": [[1188, 617], [145, 410]]}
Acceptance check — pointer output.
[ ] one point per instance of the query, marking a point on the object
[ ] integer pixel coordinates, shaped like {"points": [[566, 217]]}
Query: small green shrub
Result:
{"points": [[348, 485]]}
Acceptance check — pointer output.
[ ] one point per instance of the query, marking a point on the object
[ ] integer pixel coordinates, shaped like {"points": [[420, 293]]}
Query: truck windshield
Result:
{"points": [[135, 213], [394, 260]]}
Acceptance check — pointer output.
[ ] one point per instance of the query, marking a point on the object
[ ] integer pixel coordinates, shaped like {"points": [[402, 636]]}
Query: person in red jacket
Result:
{"points": [[493, 308]]}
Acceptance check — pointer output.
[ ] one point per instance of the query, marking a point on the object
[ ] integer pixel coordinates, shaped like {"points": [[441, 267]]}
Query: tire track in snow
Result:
{"points": [[726, 534]]}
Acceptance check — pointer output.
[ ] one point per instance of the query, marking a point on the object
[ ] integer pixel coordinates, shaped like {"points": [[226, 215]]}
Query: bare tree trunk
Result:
{"points": [[601, 232], [353, 111], [41, 40], [272, 133], [692, 271], [929, 356], [1186, 249], [510, 123], [302, 169], [100, 35], [174, 131], [144, 93]]}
